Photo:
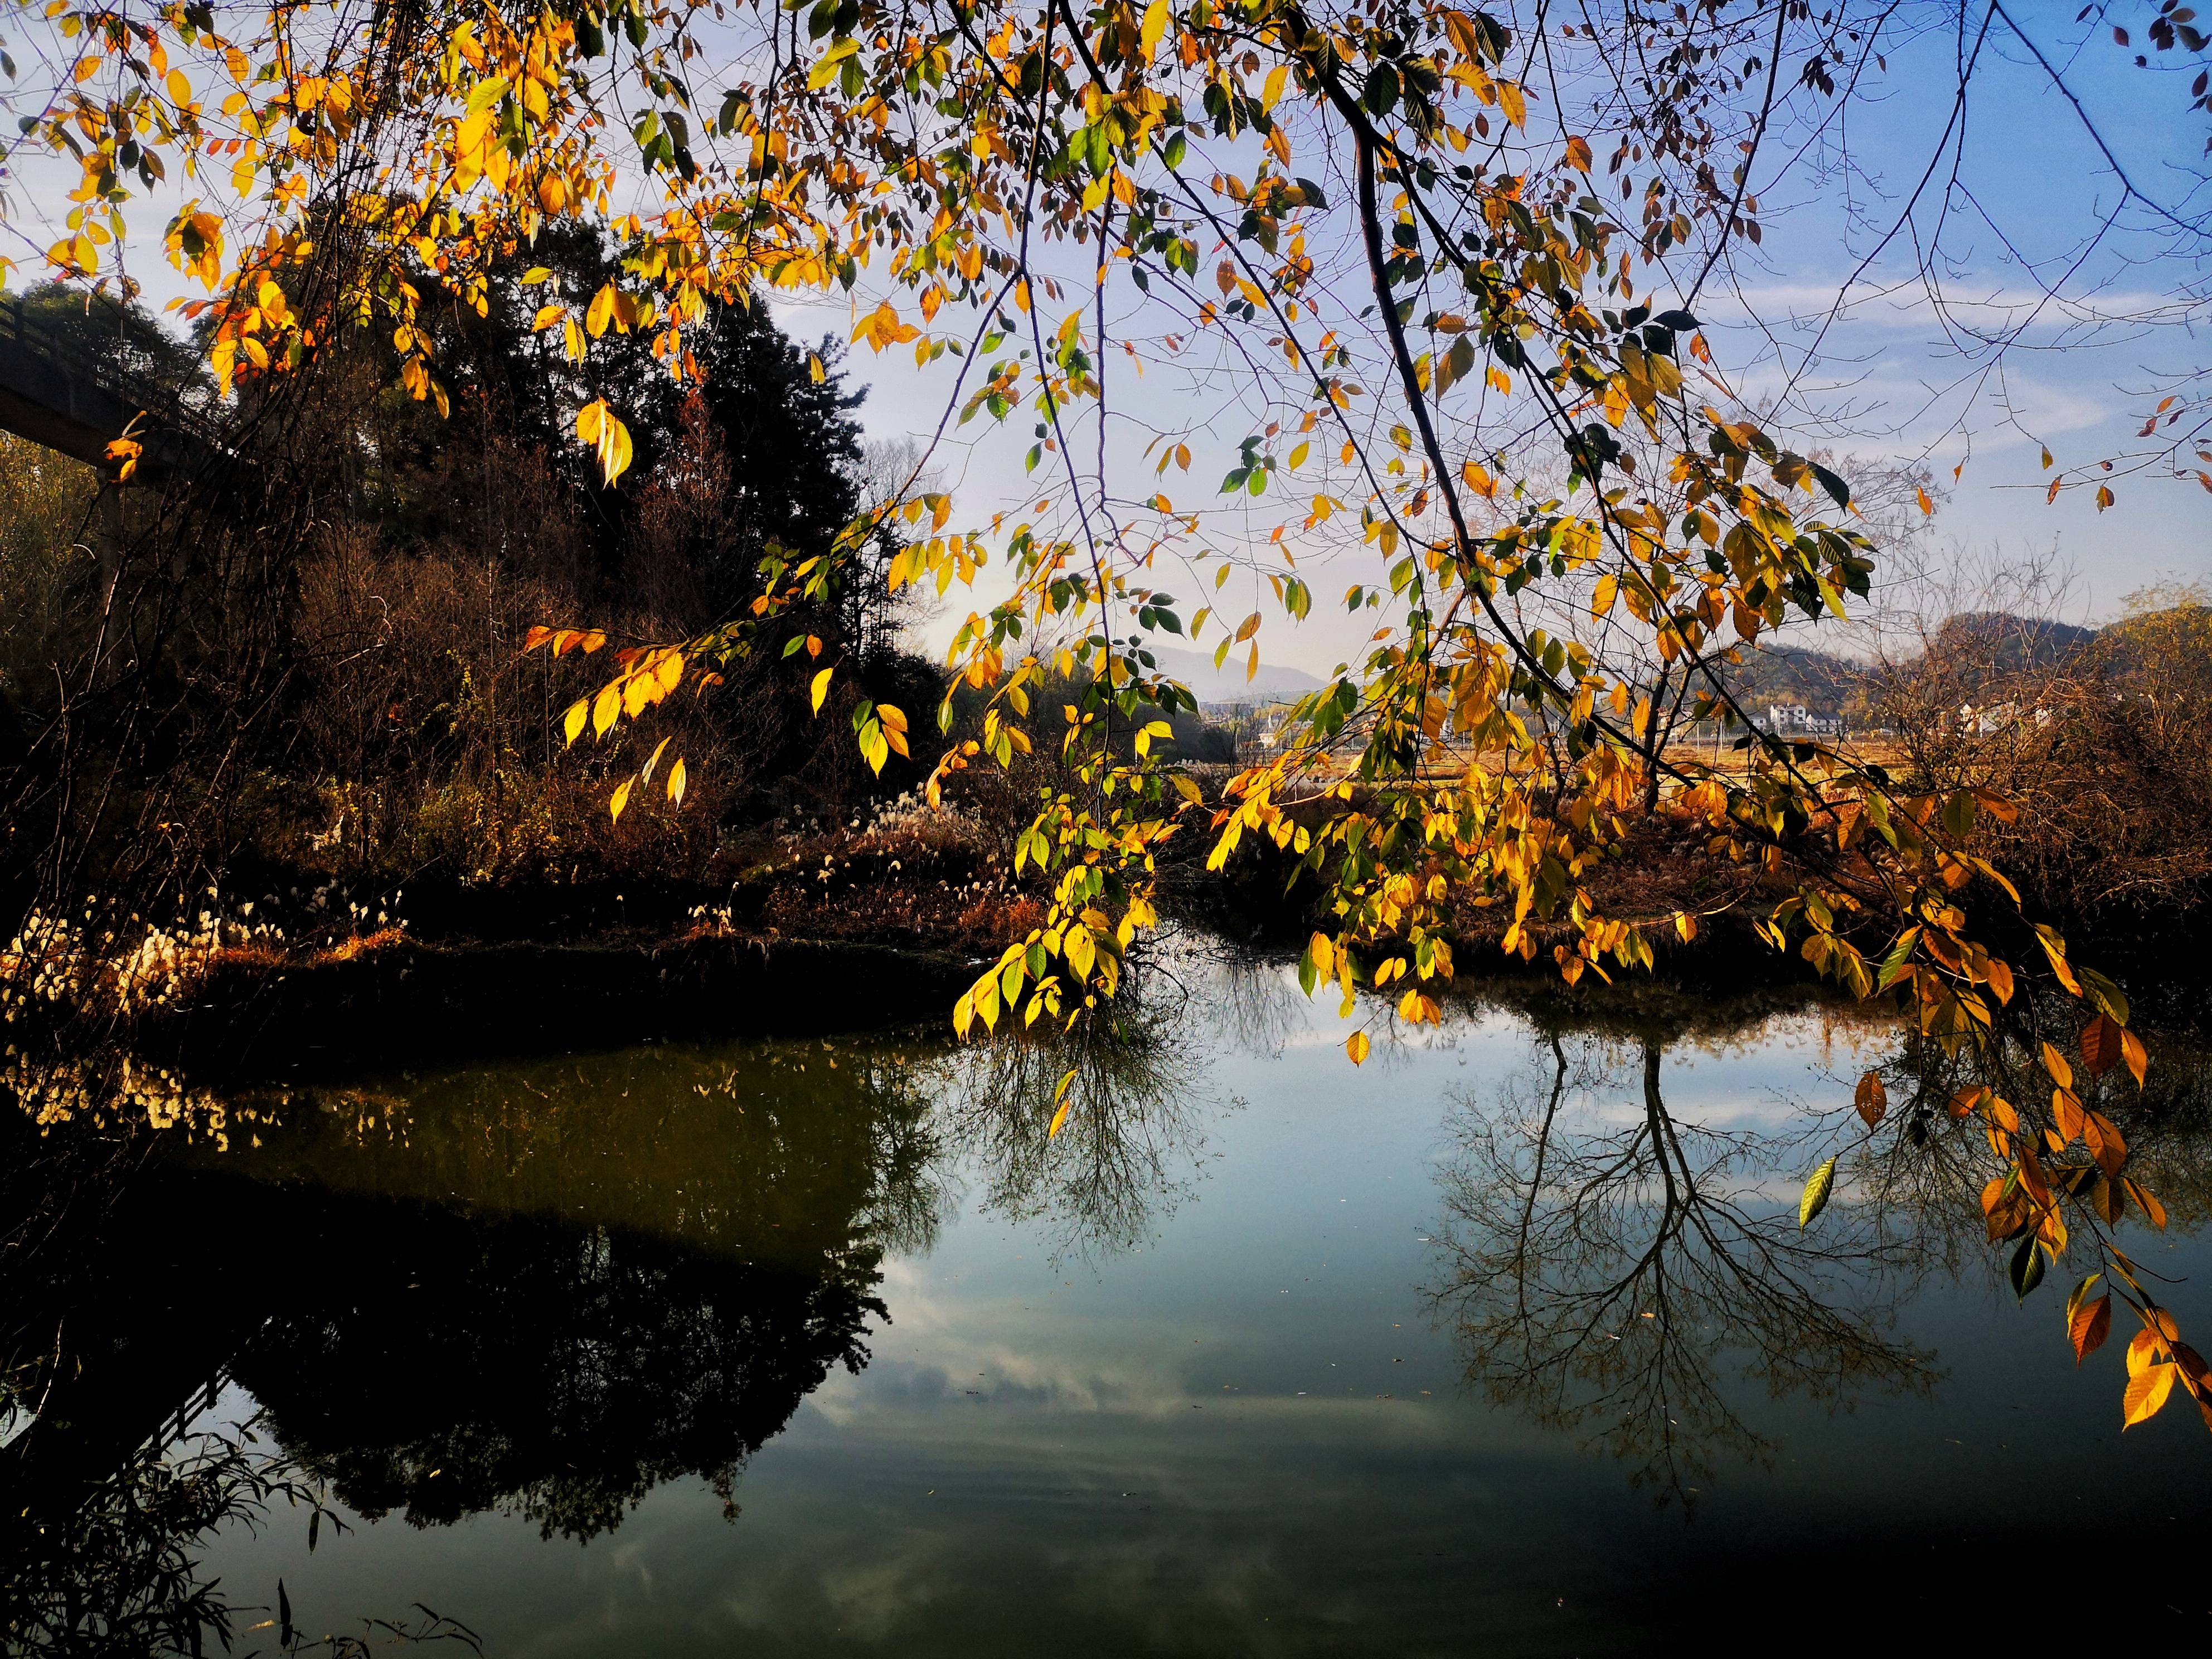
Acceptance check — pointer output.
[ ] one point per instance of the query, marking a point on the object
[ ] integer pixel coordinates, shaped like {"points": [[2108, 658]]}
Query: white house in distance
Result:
{"points": [[1783, 719]]}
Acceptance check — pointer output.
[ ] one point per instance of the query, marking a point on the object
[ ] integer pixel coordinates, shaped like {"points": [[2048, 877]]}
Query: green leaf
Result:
{"points": [[2106, 994], [1817, 1189], [2027, 1270], [826, 68], [1835, 486], [487, 93]]}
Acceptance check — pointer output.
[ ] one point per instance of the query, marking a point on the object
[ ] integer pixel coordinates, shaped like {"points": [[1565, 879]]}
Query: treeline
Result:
{"points": [[2100, 738], [308, 662], [359, 701]]}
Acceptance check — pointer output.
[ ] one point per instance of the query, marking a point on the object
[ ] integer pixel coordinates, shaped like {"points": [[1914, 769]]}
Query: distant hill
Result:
{"points": [[1828, 684], [2014, 644], [2002, 643], [1798, 674], [1227, 683]]}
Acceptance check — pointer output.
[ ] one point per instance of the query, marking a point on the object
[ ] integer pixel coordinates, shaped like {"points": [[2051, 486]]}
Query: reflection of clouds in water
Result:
{"points": [[1190, 1542], [1729, 1085], [886, 1586]]}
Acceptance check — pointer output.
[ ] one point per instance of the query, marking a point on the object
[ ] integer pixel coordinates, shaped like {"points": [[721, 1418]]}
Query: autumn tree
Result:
{"points": [[1430, 286]]}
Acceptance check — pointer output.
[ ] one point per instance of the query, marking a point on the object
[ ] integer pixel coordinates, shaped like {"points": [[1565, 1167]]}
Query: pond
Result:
{"points": [[1507, 1341]]}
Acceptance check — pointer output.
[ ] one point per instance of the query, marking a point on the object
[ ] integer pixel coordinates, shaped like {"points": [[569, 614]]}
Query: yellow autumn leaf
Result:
{"points": [[599, 426], [2147, 1393], [1154, 26], [675, 781], [1818, 1187], [600, 311], [620, 799], [1061, 1096], [1355, 1047], [821, 688]]}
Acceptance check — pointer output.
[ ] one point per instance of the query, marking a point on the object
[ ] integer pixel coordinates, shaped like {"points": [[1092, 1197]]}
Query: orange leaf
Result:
{"points": [[2100, 1044], [2067, 1107], [2062, 1072], [2146, 1202], [2104, 1142], [1871, 1099], [2143, 1352], [2089, 1326]]}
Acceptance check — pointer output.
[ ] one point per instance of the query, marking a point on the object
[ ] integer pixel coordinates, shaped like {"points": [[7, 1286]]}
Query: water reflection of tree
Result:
{"points": [[526, 1366], [1258, 1004], [544, 1289], [1922, 1159], [698, 1241], [777, 1148], [1128, 1149], [1612, 1272]]}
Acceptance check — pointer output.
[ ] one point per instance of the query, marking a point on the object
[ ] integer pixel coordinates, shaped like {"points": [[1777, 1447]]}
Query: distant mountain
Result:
{"points": [[2012, 644], [1227, 683], [1796, 674], [1996, 643], [1828, 684]]}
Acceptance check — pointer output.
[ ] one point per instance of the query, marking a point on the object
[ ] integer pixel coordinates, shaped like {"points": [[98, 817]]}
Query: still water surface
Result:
{"points": [[1504, 1343]]}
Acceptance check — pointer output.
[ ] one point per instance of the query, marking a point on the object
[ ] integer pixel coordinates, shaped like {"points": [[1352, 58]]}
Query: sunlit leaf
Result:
{"points": [[2131, 1050], [2026, 1270], [2147, 1393], [1817, 1185], [2087, 1325]]}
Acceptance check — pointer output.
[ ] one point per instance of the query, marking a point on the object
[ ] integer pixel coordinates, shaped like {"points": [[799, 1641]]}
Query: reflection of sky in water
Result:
{"points": [[1246, 1434]]}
